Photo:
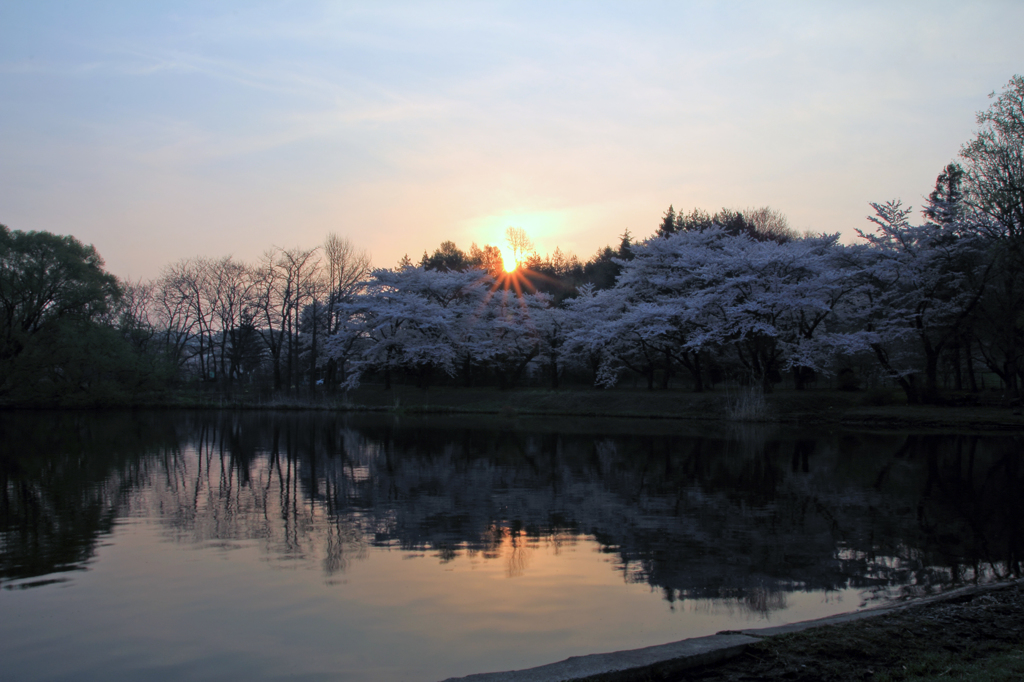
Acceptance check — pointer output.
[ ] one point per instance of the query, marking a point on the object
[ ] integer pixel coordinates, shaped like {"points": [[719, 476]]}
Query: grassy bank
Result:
{"points": [[972, 637]]}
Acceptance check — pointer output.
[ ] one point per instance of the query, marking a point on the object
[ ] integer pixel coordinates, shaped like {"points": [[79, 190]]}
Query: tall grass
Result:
{"points": [[748, 405]]}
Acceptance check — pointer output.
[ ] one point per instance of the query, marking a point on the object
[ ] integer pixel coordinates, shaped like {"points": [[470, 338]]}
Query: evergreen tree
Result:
{"points": [[601, 270], [626, 246], [446, 258], [668, 223], [696, 221], [945, 203]]}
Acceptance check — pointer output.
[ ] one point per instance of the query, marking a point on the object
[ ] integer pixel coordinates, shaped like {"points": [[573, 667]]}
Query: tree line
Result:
{"points": [[731, 296]]}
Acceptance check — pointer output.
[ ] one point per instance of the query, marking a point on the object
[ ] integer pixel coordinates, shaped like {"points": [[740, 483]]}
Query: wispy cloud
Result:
{"points": [[583, 118]]}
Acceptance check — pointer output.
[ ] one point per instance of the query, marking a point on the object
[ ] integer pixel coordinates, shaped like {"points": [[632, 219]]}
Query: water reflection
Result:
{"points": [[63, 481], [737, 519]]}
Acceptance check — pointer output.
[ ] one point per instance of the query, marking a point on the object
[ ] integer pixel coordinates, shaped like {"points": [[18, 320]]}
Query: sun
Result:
{"points": [[508, 261]]}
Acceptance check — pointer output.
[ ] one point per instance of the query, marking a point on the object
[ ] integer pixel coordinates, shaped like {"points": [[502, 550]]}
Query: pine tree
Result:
{"points": [[626, 246], [668, 223], [945, 203]]}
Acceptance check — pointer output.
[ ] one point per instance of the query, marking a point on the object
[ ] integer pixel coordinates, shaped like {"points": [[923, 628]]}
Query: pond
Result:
{"points": [[315, 546]]}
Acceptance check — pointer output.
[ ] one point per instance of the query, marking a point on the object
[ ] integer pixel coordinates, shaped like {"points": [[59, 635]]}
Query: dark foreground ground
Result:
{"points": [[978, 637]]}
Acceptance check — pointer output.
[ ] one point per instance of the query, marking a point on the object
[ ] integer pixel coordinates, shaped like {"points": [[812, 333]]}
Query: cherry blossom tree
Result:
{"points": [[922, 284], [586, 341], [509, 336], [411, 319], [694, 293]]}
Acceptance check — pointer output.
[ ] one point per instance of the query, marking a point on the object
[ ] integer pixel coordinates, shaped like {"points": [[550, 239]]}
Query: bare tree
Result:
{"points": [[346, 271], [231, 289], [520, 244], [994, 189], [487, 258], [132, 314], [185, 313], [271, 305], [994, 160], [282, 286], [302, 268], [347, 268], [770, 223]]}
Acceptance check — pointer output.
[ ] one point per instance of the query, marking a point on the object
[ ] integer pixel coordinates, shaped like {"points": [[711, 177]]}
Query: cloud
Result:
{"points": [[418, 123]]}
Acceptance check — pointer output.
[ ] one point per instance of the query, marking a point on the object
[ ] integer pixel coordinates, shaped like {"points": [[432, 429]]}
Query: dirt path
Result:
{"points": [[954, 639]]}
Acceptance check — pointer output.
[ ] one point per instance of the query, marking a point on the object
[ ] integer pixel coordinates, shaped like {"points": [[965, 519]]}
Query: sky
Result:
{"points": [[162, 131]]}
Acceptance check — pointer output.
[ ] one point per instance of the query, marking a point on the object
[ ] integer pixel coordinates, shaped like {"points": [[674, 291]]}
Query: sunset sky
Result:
{"points": [[158, 131]]}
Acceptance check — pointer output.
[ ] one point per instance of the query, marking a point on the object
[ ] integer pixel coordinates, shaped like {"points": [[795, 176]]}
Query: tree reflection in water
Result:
{"points": [[740, 518]]}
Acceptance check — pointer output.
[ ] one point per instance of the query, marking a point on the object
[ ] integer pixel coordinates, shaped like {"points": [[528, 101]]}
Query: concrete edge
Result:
{"points": [[623, 665], [661, 660]]}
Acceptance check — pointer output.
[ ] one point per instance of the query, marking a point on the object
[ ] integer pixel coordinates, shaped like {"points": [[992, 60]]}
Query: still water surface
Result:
{"points": [[204, 546]]}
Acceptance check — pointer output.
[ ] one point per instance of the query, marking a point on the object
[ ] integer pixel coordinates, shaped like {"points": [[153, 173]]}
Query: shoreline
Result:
{"points": [[813, 407], [716, 657]]}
